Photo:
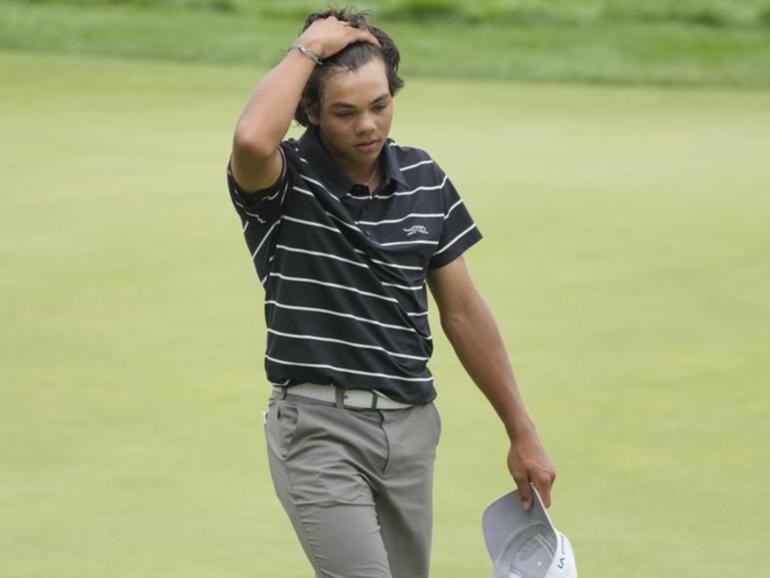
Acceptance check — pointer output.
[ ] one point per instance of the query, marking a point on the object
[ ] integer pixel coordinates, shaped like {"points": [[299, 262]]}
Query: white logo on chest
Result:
{"points": [[415, 229]]}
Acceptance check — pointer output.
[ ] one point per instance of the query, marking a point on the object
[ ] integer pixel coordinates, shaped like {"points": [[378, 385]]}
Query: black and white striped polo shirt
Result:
{"points": [[344, 270]]}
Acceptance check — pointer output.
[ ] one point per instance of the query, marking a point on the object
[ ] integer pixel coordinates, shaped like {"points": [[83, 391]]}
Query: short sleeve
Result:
{"points": [[459, 231], [263, 206]]}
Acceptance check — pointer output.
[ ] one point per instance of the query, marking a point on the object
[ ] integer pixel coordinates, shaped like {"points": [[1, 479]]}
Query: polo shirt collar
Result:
{"points": [[314, 151]]}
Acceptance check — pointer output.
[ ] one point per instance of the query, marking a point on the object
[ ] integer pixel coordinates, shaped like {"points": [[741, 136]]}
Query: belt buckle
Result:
{"points": [[363, 403]]}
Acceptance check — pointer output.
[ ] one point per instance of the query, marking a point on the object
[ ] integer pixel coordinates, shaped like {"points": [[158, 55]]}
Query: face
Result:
{"points": [[355, 115]]}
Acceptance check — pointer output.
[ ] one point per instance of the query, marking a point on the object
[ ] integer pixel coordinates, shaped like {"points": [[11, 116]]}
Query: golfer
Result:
{"points": [[347, 229]]}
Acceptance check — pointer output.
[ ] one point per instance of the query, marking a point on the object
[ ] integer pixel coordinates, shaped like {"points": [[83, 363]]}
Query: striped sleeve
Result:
{"points": [[263, 206], [459, 231]]}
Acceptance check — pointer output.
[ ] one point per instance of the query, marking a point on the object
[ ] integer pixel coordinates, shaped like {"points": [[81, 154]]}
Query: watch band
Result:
{"points": [[310, 53]]}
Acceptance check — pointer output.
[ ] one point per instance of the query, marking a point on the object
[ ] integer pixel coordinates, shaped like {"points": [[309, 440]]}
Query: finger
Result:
{"points": [[372, 39], [365, 36], [544, 489], [362, 35], [525, 491]]}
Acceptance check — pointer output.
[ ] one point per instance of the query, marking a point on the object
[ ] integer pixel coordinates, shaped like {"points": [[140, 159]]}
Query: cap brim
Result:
{"points": [[506, 514]]}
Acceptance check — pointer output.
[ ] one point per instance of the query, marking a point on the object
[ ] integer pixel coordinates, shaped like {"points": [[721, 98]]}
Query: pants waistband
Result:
{"points": [[353, 398]]}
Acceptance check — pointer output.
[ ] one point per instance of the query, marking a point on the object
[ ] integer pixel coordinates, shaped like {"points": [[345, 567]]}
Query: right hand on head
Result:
{"points": [[327, 36]]}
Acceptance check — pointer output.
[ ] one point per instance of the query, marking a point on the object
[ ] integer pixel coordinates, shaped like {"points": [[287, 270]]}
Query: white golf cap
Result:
{"points": [[524, 543]]}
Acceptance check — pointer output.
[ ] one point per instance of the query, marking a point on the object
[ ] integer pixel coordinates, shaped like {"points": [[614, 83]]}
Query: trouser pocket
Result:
{"points": [[281, 426]]}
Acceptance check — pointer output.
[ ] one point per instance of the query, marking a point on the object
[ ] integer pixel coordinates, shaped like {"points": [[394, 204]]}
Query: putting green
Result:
{"points": [[625, 256]]}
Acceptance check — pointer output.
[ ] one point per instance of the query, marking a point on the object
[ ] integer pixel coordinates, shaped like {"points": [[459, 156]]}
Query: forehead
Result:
{"points": [[359, 86]]}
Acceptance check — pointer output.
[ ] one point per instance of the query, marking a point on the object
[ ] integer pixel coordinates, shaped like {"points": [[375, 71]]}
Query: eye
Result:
{"points": [[344, 115], [379, 107]]}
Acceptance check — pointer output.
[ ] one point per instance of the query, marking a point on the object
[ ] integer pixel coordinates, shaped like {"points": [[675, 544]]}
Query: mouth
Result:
{"points": [[367, 146]]}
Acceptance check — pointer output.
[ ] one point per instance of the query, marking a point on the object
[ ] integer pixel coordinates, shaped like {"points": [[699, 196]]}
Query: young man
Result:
{"points": [[345, 227]]}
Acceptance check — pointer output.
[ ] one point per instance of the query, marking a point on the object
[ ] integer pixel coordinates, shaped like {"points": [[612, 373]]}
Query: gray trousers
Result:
{"points": [[357, 484]]}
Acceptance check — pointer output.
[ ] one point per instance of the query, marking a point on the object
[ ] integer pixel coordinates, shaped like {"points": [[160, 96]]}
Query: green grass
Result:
{"points": [[652, 43], [624, 256], [716, 13]]}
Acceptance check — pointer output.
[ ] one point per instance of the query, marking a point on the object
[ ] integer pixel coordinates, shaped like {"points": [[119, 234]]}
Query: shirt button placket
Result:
{"points": [[366, 210]]}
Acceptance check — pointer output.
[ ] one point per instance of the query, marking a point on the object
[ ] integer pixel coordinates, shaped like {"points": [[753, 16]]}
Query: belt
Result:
{"points": [[355, 398]]}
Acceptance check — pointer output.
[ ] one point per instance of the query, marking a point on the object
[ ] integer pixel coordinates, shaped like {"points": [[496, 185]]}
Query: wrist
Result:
{"points": [[314, 44], [306, 52], [520, 427]]}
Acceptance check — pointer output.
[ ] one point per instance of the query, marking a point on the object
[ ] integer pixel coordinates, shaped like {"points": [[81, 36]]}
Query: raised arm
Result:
{"points": [[471, 329], [256, 162]]}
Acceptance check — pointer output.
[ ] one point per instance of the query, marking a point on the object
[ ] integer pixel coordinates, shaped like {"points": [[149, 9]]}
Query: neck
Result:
{"points": [[363, 174]]}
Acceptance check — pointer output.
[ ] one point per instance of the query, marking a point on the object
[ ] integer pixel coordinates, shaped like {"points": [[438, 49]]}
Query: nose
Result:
{"points": [[366, 123]]}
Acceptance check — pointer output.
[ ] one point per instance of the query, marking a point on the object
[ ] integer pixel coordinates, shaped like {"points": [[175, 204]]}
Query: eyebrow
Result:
{"points": [[346, 105]]}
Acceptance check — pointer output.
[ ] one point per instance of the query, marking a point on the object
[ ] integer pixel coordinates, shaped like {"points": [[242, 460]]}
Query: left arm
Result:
{"points": [[471, 329]]}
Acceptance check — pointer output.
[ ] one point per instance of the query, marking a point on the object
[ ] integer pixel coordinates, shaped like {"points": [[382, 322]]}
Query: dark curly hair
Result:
{"points": [[352, 57]]}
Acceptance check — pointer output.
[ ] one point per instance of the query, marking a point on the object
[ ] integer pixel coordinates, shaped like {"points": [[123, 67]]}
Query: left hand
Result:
{"points": [[529, 464]]}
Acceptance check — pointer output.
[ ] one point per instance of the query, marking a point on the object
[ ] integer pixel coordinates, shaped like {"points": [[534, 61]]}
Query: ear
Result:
{"points": [[312, 116]]}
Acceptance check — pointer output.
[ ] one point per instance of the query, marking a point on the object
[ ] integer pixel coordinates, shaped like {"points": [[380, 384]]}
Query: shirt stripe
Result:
{"points": [[334, 285], [311, 223], [348, 370], [320, 254], [452, 208], [410, 167], [405, 287], [262, 242], [402, 193], [343, 342], [404, 218], [341, 314], [457, 238]]}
